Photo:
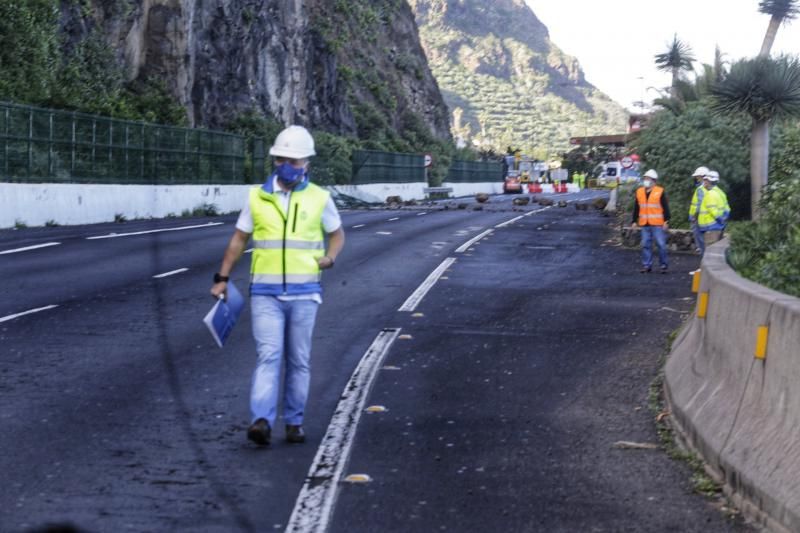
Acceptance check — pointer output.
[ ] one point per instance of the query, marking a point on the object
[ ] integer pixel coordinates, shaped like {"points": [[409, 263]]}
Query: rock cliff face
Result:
{"points": [[220, 58], [505, 81]]}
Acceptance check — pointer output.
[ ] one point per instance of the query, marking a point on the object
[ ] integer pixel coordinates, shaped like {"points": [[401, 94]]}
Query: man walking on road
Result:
{"points": [[712, 211], [651, 213], [288, 218]]}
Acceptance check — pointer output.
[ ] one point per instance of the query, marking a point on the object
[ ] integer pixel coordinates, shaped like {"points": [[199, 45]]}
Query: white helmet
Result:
{"points": [[700, 172], [712, 176], [652, 174], [293, 143]]}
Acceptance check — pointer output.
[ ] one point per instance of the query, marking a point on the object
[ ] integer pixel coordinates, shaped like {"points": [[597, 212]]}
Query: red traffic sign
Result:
{"points": [[627, 162], [428, 160]]}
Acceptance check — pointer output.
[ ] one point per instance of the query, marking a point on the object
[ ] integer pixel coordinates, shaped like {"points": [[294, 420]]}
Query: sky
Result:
{"points": [[615, 40]]}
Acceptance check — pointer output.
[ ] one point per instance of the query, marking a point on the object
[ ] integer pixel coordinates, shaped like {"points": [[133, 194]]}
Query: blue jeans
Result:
{"points": [[657, 233], [282, 330], [699, 238]]}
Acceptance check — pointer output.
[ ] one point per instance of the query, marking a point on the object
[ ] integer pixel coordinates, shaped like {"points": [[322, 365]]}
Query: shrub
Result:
{"points": [[768, 251]]}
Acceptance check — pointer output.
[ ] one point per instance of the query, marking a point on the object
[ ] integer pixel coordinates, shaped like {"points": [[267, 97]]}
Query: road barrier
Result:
{"points": [[733, 386]]}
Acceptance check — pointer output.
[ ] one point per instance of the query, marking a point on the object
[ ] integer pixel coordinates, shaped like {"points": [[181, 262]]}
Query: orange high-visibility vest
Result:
{"points": [[650, 211]]}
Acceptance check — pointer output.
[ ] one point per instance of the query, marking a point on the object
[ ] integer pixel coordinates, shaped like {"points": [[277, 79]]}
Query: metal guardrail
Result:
{"points": [[371, 166], [474, 172], [45, 145]]}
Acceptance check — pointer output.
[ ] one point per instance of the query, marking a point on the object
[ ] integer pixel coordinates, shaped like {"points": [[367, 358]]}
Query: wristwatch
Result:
{"points": [[220, 279]]}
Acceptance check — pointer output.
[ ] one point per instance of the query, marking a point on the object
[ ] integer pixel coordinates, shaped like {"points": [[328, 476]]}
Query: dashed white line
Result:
{"points": [[25, 249], [507, 222], [115, 235], [359, 226], [537, 211], [383, 232], [171, 273], [393, 219], [417, 296], [420, 214], [314, 507], [28, 312], [464, 247]]}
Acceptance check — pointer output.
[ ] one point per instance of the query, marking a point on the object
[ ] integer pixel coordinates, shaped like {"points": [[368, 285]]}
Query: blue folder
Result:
{"points": [[223, 316]]}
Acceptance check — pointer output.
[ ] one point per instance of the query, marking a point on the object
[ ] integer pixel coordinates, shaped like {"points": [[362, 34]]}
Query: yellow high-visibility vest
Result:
{"points": [[286, 245]]}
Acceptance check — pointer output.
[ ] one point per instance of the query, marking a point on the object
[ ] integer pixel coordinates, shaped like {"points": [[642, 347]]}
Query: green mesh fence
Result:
{"points": [[474, 172], [42, 145], [370, 166]]}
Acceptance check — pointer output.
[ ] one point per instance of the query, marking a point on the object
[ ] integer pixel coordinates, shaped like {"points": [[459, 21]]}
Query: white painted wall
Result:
{"points": [[35, 204]]}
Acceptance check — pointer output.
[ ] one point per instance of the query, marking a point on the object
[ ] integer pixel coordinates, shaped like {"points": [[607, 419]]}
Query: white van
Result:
{"points": [[615, 172]]}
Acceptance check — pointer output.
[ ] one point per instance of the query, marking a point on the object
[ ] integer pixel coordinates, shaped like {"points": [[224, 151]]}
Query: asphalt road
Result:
{"points": [[533, 356]]}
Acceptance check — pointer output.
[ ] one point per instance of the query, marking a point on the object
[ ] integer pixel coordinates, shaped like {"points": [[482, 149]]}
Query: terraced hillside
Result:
{"points": [[505, 82]]}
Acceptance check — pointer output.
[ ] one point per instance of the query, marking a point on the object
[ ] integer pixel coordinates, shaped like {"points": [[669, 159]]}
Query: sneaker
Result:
{"points": [[295, 434], [259, 432], [644, 270], [663, 269]]}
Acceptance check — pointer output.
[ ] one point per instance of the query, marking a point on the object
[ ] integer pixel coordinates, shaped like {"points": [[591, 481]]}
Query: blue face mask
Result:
{"points": [[289, 175]]}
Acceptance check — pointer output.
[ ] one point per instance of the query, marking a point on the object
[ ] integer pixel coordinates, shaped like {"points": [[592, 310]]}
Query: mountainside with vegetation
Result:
{"points": [[353, 68], [505, 82]]}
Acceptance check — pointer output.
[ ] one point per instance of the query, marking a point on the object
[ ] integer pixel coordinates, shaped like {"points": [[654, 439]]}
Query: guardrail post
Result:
{"points": [[5, 142], [30, 141], [50, 150]]}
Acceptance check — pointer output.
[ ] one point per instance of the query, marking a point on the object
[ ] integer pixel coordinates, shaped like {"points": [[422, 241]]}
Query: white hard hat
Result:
{"points": [[701, 171], [651, 174], [293, 143], [712, 176]]}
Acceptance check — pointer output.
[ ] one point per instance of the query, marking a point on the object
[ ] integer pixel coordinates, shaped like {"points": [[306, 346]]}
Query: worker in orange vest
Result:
{"points": [[651, 214]]}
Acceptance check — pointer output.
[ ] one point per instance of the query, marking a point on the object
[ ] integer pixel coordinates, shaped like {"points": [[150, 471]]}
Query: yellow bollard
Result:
{"points": [[761, 342], [696, 281], [702, 305]]}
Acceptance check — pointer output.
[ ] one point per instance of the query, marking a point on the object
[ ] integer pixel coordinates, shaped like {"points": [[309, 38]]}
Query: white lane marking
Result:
{"points": [[383, 232], [359, 226], [34, 247], [537, 211], [314, 507], [115, 235], [420, 214], [464, 247], [417, 296], [507, 222], [393, 219], [171, 273], [28, 312]]}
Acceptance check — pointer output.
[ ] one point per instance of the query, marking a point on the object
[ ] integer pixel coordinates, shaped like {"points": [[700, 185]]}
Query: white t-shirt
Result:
{"points": [[331, 221]]}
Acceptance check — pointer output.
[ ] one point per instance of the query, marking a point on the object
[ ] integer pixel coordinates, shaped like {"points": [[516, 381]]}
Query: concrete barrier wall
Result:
{"points": [[38, 203], [741, 413], [470, 189]]}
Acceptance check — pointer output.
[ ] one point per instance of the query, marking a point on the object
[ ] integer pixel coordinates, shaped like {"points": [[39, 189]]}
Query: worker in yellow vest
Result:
{"points": [[651, 214], [713, 212], [697, 198], [288, 218]]}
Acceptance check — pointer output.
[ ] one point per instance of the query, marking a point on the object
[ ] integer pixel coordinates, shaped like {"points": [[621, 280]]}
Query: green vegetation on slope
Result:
{"points": [[511, 87], [38, 66]]}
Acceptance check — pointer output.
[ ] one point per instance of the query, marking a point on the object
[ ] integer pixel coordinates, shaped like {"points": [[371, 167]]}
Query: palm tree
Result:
{"points": [[677, 58], [781, 11], [765, 89]]}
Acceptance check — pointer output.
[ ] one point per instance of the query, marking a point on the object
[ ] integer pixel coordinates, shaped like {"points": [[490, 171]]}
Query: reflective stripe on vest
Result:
{"points": [[286, 246], [650, 211]]}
